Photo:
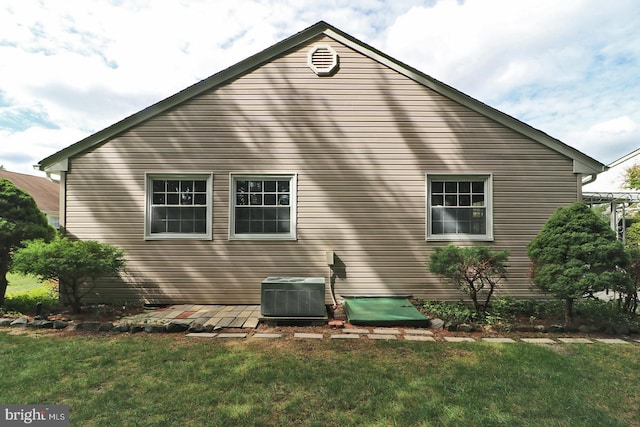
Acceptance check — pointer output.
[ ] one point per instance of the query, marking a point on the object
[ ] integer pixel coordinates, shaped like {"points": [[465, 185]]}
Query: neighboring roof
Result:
{"points": [[613, 179], [44, 192], [59, 161]]}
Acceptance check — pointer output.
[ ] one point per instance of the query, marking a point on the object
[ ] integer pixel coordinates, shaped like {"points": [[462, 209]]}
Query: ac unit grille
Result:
{"points": [[293, 297]]}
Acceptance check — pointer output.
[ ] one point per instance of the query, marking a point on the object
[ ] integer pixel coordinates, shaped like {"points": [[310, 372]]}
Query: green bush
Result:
{"points": [[25, 302], [451, 312]]}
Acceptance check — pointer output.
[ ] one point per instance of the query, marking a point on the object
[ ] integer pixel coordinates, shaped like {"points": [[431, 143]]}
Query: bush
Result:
{"points": [[25, 302], [451, 312], [75, 263], [576, 254], [474, 270]]}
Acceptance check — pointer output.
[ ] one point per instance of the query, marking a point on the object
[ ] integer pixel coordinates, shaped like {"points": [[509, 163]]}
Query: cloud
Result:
{"points": [[563, 67]]}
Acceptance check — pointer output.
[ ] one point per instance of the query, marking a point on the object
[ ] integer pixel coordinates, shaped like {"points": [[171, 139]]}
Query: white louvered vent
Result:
{"points": [[323, 60]]}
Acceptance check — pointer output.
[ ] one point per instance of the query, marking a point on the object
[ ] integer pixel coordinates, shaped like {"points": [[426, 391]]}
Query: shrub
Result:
{"points": [[473, 270], [451, 312], [25, 302], [576, 254], [75, 263]]}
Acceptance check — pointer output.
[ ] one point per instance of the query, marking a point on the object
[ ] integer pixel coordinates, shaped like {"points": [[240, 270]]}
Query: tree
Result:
{"points": [[472, 269], [75, 263], [576, 254], [632, 177], [20, 220]]}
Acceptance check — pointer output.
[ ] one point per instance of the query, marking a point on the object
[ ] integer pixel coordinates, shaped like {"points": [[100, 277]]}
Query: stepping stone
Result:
{"points": [[267, 336], [575, 340], [380, 336], [202, 335], [237, 322], [251, 323], [345, 336], [307, 335], [386, 331], [417, 332], [419, 338], [538, 340], [612, 341], [459, 339], [231, 335], [498, 340], [224, 322], [355, 331]]}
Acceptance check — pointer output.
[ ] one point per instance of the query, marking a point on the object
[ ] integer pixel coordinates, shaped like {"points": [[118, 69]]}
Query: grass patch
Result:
{"points": [[22, 283], [159, 380]]}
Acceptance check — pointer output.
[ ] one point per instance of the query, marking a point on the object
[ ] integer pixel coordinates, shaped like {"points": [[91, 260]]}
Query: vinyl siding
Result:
{"points": [[361, 142]]}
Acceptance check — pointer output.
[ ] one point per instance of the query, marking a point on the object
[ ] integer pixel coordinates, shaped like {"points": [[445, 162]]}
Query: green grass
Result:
{"points": [[21, 283], [160, 380]]}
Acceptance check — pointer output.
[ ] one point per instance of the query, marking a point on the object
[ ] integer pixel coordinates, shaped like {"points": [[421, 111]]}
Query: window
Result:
{"points": [[459, 207], [178, 206], [263, 206]]}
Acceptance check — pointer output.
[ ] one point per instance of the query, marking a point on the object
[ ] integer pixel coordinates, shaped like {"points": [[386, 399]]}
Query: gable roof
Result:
{"points": [[581, 162], [44, 192]]}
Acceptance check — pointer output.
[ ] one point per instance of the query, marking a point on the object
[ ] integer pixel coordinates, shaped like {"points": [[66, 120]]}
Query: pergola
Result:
{"points": [[618, 203]]}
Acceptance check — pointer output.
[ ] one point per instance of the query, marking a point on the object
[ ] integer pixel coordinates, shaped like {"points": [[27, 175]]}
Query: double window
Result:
{"points": [[263, 206], [178, 206], [459, 207]]}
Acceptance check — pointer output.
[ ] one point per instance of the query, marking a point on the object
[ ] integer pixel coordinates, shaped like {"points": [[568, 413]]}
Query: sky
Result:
{"points": [[68, 69]]}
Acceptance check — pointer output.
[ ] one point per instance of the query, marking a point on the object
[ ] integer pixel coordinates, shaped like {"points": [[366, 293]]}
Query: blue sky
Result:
{"points": [[68, 69]]}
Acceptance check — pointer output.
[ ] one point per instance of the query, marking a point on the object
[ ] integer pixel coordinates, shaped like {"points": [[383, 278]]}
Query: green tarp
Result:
{"points": [[383, 311]]}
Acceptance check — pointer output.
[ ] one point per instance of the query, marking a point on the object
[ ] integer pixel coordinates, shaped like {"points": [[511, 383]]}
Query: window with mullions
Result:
{"points": [[459, 207], [263, 207], [178, 206]]}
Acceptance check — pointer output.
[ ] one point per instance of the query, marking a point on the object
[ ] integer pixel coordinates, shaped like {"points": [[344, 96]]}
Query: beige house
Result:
{"points": [[319, 144]]}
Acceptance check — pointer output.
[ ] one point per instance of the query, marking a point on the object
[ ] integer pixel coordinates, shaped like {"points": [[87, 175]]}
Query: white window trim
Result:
{"points": [[436, 176], [149, 176], [292, 176]]}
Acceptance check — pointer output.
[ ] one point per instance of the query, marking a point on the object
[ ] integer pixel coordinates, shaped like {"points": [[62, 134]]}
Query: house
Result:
{"points": [[45, 192], [318, 148]]}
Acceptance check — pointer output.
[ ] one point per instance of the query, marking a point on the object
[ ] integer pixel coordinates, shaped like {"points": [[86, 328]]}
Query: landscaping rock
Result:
{"points": [[465, 327], [122, 328], [437, 323], [60, 324], [208, 329], [87, 326], [134, 329], [41, 323], [154, 329], [451, 327], [20, 322], [5, 321], [540, 328], [177, 327], [617, 329], [555, 329], [196, 328], [525, 328], [105, 327]]}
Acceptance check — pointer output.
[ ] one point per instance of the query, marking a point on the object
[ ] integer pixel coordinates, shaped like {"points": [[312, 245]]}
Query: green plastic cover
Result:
{"points": [[383, 311]]}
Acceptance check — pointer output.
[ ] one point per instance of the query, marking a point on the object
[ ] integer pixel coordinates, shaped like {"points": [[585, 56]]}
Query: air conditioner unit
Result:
{"points": [[293, 297]]}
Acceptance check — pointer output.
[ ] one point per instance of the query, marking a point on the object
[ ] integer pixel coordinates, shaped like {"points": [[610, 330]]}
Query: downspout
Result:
{"points": [[589, 179]]}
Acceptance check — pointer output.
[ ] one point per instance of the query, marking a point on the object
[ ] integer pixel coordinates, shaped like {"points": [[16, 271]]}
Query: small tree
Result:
{"points": [[576, 254], [632, 177], [75, 263], [472, 269], [20, 220]]}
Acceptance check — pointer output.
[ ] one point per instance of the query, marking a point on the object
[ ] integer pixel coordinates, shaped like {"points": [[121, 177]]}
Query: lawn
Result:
{"points": [[20, 283], [171, 380]]}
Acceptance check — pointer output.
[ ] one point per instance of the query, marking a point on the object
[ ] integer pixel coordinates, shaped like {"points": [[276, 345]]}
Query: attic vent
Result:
{"points": [[323, 60]]}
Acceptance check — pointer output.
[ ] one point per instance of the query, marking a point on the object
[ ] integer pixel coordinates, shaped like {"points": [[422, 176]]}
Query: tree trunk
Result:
{"points": [[568, 311], [3, 285]]}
